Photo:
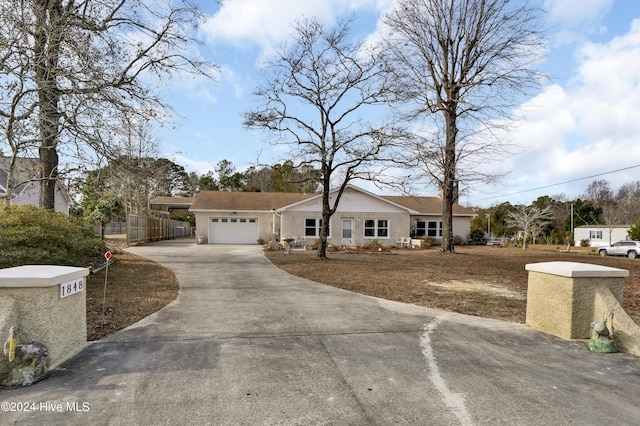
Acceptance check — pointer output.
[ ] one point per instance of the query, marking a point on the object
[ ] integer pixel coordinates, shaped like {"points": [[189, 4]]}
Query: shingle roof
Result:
{"points": [[266, 201], [173, 201], [245, 201], [25, 169], [427, 205]]}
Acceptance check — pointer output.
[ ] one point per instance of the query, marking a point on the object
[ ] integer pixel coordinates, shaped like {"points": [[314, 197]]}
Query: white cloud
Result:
{"points": [[569, 13], [264, 23], [574, 22], [608, 87], [200, 167], [589, 127]]}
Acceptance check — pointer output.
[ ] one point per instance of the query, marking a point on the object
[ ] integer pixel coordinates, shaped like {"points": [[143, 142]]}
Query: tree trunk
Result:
{"points": [[49, 175], [48, 35], [322, 247], [448, 183]]}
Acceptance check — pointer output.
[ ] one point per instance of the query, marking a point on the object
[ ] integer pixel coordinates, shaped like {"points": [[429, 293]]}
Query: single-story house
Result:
{"points": [[600, 235], [361, 217], [26, 184]]}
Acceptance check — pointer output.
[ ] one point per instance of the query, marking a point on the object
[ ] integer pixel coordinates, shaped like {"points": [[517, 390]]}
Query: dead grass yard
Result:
{"points": [[489, 282]]}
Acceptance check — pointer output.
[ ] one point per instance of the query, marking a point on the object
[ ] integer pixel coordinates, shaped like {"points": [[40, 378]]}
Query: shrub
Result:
{"points": [[585, 242], [30, 235], [457, 240], [634, 231], [557, 238], [476, 237], [427, 242], [374, 244]]}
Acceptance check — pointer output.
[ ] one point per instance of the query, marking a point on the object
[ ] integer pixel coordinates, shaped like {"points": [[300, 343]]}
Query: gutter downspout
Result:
{"points": [[273, 224]]}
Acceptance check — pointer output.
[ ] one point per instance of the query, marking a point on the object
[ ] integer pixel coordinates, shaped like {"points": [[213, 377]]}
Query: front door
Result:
{"points": [[347, 232]]}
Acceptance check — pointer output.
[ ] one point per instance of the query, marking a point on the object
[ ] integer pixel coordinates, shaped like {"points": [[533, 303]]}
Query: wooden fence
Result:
{"points": [[142, 229], [111, 228]]}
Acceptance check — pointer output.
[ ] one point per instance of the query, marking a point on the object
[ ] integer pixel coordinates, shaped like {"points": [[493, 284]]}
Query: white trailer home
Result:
{"points": [[600, 235]]}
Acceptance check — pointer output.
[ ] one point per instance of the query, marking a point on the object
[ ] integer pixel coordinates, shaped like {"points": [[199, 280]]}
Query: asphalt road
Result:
{"points": [[247, 344]]}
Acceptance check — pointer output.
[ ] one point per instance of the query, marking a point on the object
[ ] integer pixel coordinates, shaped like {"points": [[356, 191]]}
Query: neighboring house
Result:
{"points": [[600, 235], [171, 206], [26, 184], [361, 217]]}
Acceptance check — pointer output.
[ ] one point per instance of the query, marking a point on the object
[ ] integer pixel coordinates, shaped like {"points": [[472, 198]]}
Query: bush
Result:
{"points": [[427, 242], [30, 235], [476, 237], [585, 242], [374, 244], [634, 231], [557, 238]]}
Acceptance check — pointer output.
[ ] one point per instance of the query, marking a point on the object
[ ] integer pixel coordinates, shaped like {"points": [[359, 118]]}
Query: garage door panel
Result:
{"points": [[225, 230]]}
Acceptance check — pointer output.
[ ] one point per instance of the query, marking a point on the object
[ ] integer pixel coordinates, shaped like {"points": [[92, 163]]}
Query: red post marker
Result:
{"points": [[107, 255]]}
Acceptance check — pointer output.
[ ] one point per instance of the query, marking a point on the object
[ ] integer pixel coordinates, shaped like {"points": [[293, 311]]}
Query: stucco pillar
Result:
{"points": [[561, 296], [47, 304]]}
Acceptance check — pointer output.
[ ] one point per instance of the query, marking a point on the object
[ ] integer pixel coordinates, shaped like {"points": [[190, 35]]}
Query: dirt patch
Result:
{"points": [[136, 287], [489, 282], [478, 287]]}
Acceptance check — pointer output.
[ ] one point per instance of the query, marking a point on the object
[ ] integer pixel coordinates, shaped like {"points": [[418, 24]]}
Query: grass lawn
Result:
{"points": [[483, 281]]}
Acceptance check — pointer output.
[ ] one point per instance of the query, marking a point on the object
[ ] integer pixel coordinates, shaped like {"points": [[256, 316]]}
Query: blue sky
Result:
{"points": [[584, 121]]}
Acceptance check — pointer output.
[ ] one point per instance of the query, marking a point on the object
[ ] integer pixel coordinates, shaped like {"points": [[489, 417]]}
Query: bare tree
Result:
{"points": [[459, 64], [599, 193], [87, 64], [16, 109], [317, 95], [628, 203], [529, 221]]}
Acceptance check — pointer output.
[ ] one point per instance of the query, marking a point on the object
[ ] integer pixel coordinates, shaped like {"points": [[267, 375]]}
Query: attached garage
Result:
{"points": [[239, 217], [233, 230]]}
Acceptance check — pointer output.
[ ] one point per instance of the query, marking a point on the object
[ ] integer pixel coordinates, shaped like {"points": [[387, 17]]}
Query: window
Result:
{"points": [[434, 229], [595, 235], [313, 227], [421, 228], [376, 228]]}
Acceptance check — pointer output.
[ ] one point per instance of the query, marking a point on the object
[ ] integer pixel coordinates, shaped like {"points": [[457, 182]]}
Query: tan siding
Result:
{"points": [[294, 226]]}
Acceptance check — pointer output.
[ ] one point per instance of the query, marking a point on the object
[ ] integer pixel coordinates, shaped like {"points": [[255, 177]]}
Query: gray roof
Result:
{"points": [[25, 170]]}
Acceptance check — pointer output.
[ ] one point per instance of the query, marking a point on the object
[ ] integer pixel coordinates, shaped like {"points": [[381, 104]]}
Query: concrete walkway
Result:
{"points": [[247, 344]]}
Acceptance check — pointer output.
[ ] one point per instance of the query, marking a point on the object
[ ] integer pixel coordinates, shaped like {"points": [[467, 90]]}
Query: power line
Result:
{"points": [[560, 183]]}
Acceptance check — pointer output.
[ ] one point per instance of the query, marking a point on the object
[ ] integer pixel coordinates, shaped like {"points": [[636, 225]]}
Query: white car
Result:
{"points": [[631, 249]]}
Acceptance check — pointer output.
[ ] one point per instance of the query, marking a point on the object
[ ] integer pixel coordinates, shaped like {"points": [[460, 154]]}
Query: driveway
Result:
{"points": [[247, 344]]}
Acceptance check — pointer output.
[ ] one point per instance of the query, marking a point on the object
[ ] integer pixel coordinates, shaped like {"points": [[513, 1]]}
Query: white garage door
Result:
{"points": [[233, 230]]}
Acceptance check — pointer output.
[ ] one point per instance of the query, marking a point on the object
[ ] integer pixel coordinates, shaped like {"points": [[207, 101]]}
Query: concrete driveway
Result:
{"points": [[247, 344]]}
